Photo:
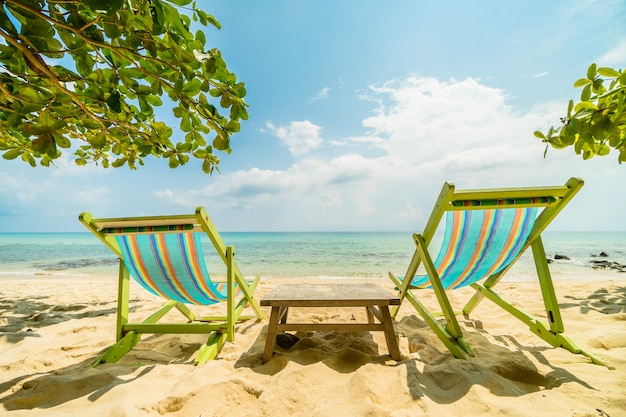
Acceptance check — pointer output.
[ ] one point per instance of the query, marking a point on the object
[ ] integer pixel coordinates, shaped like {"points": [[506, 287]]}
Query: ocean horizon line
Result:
{"points": [[336, 253]]}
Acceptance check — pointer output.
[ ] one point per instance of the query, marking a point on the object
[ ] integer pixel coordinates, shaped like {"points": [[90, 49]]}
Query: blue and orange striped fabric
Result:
{"points": [[479, 243], [171, 266]]}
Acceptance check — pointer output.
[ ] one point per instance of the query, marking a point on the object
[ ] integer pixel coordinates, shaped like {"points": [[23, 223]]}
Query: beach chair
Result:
{"points": [[164, 255], [486, 231]]}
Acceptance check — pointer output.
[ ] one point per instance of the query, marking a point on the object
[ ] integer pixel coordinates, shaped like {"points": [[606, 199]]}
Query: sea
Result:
{"points": [[300, 254]]}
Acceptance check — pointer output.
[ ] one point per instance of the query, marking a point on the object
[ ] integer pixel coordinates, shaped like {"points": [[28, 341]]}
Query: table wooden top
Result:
{"points": [[326, 295]]}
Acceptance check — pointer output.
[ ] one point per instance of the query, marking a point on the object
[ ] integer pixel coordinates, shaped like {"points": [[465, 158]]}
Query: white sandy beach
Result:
{"points": [[52, 328]]}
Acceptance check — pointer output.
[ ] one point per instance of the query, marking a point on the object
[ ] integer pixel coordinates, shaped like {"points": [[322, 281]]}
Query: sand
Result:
{"points": [[53, 327]]}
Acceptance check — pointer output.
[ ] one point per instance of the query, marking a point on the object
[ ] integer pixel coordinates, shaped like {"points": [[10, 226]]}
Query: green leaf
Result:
{"points": [[144, 106], [591, 71], [175, 21], [603, 150], [114, 102], [232, 126], [61, 141], [567, 137], [539, 135], [192, 87], [614, 141], [212, 20], [581, 82], [221, 142], [112, 31], [44, 144], [200, 36], [183, 147], [12, 153], [207, 167], [598, 86], [178, 112], [27, 157], [225, 101], [183, 159], [53, 48], [98, 141], [173, 162], [608, 72], [586, 93], [570, 106], [118, 162], [154, 100], [585, 105], [185, 123], [243, 112]]}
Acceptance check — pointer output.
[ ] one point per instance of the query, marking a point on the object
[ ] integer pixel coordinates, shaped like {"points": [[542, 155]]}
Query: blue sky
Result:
{"points": [[359, 111]]}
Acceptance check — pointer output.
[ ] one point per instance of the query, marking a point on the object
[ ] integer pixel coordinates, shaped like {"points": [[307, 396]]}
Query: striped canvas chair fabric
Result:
{"points": [[171, 266], [478, 244]]}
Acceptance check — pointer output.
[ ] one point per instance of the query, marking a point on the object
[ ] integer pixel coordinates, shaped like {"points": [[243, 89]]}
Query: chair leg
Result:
{"points": [[547, 287], [123, 299], [115, 352], [458, 346], [452, 325], [403, 287], [230, 302], [211, 348]]}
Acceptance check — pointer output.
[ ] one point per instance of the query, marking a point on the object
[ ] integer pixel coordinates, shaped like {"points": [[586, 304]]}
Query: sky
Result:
{"points": [[359, 111]]}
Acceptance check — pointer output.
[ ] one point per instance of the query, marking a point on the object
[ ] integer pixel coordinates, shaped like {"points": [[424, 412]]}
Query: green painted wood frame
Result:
{"points": [[450, 333], [219, 328]]}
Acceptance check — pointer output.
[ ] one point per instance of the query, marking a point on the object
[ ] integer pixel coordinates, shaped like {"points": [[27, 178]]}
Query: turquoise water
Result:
{"points": [[336, 254]]}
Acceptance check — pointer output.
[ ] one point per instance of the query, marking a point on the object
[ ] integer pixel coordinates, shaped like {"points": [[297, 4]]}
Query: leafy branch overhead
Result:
{"points": [[87, 76], [598, 122]]}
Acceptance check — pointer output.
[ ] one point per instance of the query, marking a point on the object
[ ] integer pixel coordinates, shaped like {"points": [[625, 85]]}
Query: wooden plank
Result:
{"points": [[329, 295], [330, 327]]}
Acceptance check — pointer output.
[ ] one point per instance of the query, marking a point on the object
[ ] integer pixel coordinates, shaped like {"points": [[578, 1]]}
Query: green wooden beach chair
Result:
{"points": [[164, 255], [486, 231]]}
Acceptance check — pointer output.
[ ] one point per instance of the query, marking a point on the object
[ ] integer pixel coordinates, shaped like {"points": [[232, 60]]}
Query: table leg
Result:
{"points": [[271, 334], [390, 335]]}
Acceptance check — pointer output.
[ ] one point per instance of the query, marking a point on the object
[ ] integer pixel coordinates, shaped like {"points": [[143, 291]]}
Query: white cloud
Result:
{"points": [[323, 93], [539, 75], [426, 119], [357, 141], [299, 137], [427, 131]]}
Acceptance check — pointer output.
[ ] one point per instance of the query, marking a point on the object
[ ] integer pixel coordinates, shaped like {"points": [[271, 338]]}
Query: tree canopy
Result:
{"points": [[87, 75], [598, 122]]}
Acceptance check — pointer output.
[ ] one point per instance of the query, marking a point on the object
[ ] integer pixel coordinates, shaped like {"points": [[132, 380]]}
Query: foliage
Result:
{"points": [[598, 121], [87, 76]]}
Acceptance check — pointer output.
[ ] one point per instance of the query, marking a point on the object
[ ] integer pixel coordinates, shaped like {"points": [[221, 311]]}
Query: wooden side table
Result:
{"points": [[376, 300]]}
